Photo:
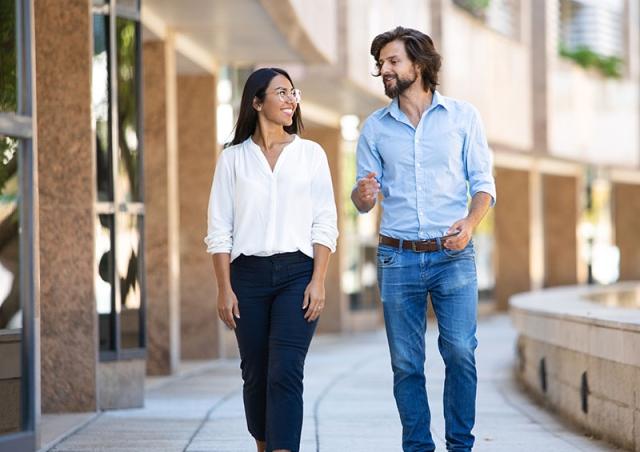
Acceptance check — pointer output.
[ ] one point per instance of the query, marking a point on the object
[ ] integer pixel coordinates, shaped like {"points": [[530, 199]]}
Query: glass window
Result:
{"points": [[104, 281], [10, 307], [8, 60], [131, 4], [128, 101], [129, 266], [100, 104]]}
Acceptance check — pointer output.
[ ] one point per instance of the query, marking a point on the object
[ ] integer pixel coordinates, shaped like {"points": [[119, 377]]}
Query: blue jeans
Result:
{"points": [[405, 278]]}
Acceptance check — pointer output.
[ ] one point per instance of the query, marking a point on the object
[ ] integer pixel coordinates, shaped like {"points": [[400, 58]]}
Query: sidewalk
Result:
{"points": [[349, 405]]}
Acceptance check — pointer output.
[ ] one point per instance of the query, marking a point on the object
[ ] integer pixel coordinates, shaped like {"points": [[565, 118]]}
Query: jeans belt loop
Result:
{"points": [[400, 244]]}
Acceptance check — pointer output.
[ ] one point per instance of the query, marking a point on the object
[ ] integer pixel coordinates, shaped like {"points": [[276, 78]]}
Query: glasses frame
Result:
{"points": [[294, 94]]}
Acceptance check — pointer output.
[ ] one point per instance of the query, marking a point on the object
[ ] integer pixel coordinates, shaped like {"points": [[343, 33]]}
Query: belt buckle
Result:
{"points": [[413, 246]]}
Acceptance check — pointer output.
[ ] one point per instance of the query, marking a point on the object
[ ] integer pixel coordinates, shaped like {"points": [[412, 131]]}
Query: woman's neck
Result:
{"points": [[267, 136]]}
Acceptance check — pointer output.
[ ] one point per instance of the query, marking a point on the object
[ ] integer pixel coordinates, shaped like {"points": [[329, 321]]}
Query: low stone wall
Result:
{"points": [[582, 357]]}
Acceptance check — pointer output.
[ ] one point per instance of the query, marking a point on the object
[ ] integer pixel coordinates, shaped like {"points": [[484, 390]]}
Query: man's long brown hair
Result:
{"points": [[420, 49]]}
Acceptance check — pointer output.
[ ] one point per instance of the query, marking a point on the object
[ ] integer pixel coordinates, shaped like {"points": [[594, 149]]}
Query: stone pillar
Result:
{"points": [[335, 310], [626, 223], [543, 51], [560, 219], [68, 327], [197, 144], [161, 207], [513, 234]]}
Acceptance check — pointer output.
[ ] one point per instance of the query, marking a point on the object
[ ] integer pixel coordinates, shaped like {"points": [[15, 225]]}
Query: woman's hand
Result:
{"points": [[228, 307], [314, 300]]}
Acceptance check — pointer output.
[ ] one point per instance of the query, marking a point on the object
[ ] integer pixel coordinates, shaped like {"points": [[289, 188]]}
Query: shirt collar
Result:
{"points": [[394, 109]]}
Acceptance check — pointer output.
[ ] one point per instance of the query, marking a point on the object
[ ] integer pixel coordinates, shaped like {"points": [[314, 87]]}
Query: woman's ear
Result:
{"points": [[256, 104]]}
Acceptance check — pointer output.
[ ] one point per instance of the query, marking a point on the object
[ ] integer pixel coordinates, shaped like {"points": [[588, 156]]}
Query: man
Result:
{"points": [[421, 151]]}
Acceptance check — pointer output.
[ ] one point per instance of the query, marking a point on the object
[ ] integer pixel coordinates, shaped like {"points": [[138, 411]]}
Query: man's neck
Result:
{"points": [[414, 102]]}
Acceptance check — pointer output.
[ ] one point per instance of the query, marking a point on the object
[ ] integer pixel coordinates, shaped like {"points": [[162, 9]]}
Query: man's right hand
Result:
{"points": [[367, 191]]}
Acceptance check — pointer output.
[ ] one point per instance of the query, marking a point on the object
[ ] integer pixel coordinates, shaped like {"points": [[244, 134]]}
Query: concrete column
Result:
{"points": [[560, 219], [626, 223], [543, 54], [63, 35], [161, 207], [335, 311], [513, 234], [199, 324]]}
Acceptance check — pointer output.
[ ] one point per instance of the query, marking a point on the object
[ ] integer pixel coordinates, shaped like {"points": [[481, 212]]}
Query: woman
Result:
{"points": [[272, 225]]}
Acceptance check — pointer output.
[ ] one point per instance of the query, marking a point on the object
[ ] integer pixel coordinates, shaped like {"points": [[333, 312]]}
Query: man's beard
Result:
{"points": [[400, 87]]}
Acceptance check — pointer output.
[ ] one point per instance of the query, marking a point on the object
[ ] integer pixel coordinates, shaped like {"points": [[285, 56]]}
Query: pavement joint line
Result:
{"points": [[207, 417], [327, 389], [77, 429]]}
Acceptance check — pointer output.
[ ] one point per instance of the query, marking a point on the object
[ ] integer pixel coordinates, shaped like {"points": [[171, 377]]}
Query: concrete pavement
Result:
{"points": [[349, 405]]}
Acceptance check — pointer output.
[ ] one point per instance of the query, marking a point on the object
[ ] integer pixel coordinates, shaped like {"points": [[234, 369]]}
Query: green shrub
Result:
{"points": [[609, 66]]}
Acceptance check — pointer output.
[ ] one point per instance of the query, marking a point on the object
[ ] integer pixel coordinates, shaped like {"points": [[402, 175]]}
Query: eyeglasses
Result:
{"points": [[294, 94]]}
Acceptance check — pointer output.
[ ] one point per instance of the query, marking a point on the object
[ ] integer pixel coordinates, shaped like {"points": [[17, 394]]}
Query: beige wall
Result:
{"points": [[593, 119], [320, 21], [491, 71]]}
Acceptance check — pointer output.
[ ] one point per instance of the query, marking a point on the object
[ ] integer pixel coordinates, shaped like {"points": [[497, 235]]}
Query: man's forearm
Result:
{"points": [[480, 204]]}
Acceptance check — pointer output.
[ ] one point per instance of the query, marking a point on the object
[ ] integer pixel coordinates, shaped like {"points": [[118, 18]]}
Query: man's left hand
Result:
{"points": [[459, 242]]}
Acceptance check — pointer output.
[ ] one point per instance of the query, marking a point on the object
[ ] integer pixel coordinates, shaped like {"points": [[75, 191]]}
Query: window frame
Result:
{"points": [[119, 206], [20, 125]]}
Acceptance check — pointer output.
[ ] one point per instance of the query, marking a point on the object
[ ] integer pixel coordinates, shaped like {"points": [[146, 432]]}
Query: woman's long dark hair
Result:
{"points": [[256, 86]]}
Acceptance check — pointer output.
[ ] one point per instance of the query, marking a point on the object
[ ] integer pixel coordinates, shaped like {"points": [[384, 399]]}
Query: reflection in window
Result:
{"points": [[10, 308], [8, 77], [104, 280], [128, 257], [10, 312], [127, 73], [100, 106]]}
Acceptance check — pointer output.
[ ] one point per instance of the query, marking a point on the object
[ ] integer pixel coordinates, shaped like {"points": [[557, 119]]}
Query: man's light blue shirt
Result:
{"points": [[426, 172]]}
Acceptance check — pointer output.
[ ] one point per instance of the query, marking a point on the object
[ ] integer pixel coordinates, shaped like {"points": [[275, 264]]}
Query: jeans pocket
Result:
{"points": [[386, 256], [467, 250]]}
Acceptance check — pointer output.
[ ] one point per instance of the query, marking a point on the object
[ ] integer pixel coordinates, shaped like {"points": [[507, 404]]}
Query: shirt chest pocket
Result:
{"points": [[446, 149]]}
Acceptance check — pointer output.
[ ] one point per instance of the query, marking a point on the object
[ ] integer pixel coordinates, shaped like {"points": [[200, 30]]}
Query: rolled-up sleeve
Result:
{"points": [[324, 229], [368, 159], [219, 237], [479, 159]]}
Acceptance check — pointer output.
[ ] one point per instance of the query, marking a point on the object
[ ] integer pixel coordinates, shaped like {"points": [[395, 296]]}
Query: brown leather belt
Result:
{"points": [[424, 246]]}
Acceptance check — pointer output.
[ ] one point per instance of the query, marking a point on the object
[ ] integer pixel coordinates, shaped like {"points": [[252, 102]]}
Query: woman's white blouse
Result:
{"points": [[259, 212]]}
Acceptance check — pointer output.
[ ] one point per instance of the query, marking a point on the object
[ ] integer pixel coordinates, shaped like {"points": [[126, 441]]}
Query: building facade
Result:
{"points": [[113, 112]]}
